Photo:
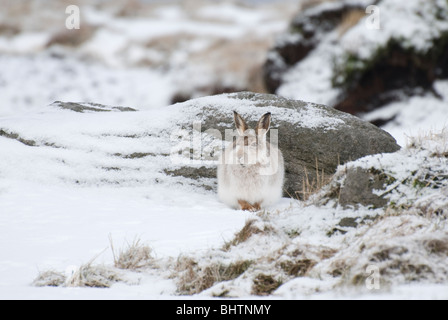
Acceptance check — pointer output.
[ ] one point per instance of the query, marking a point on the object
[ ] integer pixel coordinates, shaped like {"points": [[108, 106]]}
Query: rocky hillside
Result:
{"points": [[330, 55], [182, 142], [393, 243]]}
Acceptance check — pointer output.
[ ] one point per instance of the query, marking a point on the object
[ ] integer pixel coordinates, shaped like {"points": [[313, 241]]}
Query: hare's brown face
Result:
{"points": [[251, 146]]}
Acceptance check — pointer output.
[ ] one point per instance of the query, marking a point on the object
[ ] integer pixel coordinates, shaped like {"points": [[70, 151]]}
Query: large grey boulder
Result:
{"points": [[314, 138], [87, 143]]}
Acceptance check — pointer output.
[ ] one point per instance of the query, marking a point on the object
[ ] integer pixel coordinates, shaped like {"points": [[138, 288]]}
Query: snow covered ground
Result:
{"points": [[55, 227], [66, 190], [139, 59], [51, 221], [415, 115]]}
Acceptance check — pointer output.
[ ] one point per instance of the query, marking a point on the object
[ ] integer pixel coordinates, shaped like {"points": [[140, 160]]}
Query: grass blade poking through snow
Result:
{"points": [[135, 256]]}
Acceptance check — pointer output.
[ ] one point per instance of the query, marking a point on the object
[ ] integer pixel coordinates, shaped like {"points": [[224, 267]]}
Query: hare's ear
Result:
{"points": [[240, 124], [263, 124]]}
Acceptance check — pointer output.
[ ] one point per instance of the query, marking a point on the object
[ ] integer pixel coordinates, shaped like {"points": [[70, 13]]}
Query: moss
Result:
{"points": [[382, 176], [292, 233], [296, 28], [418, 184], [352, 69]]}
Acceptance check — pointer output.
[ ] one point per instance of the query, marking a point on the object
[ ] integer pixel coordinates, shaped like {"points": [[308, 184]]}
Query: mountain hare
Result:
{"points": [[251, 170]]}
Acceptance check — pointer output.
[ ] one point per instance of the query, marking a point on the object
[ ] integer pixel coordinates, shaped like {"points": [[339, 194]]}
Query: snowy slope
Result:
{"points": [[412, 23], [29, 82], [59, 206], [139, 59], [53, 227], [62, 197]]}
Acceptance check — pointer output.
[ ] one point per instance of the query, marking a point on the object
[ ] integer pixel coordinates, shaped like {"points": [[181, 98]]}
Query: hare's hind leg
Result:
{"points": [[244, 205]]}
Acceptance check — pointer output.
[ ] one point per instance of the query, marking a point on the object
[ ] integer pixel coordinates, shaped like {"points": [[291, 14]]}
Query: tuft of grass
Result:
{"points": [[72, 38], [311, 186], [49, 279], [264, 285], [437, 246], [418, 141], [298, 268], [349, 20], [135, 256], [244, 234], [89, 275], [194, 278]]}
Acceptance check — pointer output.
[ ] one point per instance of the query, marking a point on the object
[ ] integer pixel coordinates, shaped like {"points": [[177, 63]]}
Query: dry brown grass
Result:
{"points": [[349, 20], [264, 284], [131, 8], [135, 256], [49, 279], [437, 246], [72, 38], [193, 278], [418, 141], [8, 30], [245, 233], [297, 268], [313, 184], [89, 275]]}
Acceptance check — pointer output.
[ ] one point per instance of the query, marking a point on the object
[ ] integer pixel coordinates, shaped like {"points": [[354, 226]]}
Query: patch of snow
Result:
{"points": [[310, 80], [416, 115], [29, 82], [310, 116], [24, 43], [62, 199], [412, 22]]}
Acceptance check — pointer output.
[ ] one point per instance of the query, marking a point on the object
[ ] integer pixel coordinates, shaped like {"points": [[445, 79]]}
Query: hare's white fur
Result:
{"points": [[251, 169]]}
